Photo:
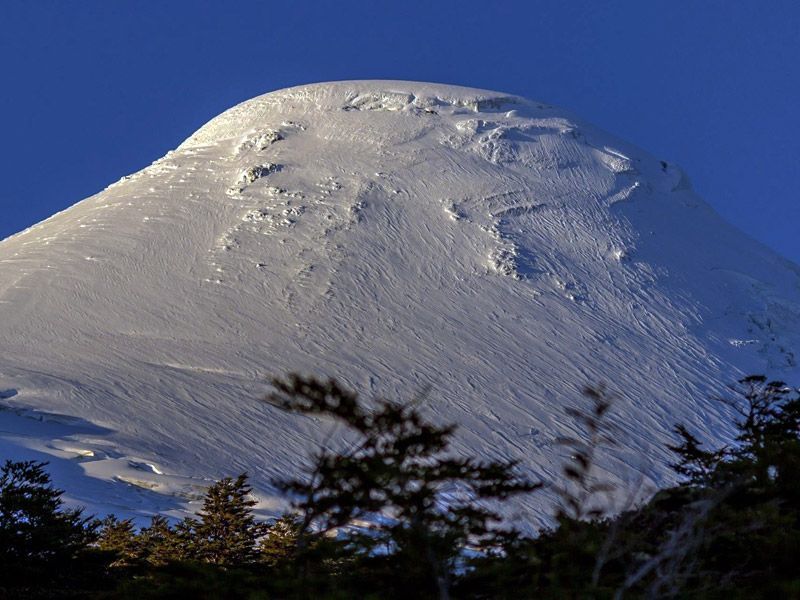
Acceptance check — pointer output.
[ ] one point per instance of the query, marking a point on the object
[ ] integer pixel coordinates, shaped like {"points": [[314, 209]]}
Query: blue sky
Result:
{"points": [[96, 89]]}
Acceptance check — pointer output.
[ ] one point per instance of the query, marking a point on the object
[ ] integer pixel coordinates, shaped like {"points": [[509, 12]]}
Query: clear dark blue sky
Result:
{"points": [[94, 90]]}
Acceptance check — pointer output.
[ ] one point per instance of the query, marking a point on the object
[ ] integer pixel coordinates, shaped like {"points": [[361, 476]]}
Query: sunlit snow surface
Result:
{"points": [[496, 252]]}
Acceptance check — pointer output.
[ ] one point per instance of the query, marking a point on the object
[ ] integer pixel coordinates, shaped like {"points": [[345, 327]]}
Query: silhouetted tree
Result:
{"points": [[570, 559], [395, 476], [732, 529], [226, 532], [40, 540], [396, 515], [582, 495]]}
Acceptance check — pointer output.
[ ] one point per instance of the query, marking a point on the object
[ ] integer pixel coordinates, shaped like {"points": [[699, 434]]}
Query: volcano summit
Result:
{"points": [[498, 252]]}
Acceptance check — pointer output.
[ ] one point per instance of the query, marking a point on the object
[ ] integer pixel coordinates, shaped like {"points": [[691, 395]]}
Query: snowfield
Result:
{"points": [[497, 252]]}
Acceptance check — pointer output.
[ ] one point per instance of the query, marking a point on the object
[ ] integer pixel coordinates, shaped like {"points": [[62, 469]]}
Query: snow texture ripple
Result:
{"points": [[497, 252]]}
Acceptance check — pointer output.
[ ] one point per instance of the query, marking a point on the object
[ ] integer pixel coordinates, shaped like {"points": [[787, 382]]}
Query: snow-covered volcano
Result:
{"points": [[401, 236]]}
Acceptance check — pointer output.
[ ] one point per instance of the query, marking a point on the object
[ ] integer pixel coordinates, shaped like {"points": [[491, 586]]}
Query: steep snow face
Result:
{"points": [[401, 236]]}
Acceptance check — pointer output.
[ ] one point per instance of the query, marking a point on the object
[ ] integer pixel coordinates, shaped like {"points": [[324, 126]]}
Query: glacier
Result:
{"points": [[489, 254]]}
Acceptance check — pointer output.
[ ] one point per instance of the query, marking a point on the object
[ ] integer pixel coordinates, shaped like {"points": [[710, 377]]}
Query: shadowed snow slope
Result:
{"points": [[401, 236]]}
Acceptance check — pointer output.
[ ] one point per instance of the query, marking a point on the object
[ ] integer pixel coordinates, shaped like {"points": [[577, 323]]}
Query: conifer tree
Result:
{"points": [[280, 542], [160, 543], [695, 464], [119, 538], [39, 538], [226, 532]]}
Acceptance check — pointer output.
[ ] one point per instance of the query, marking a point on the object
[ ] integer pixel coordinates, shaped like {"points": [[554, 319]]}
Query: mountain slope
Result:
{"points": [[401, 236]]}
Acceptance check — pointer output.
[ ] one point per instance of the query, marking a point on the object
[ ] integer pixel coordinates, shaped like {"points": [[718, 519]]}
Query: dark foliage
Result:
{"points": [[119, 539], [40, 540], [396, 516], [226, 533], [730, 530], [399, 469]]}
